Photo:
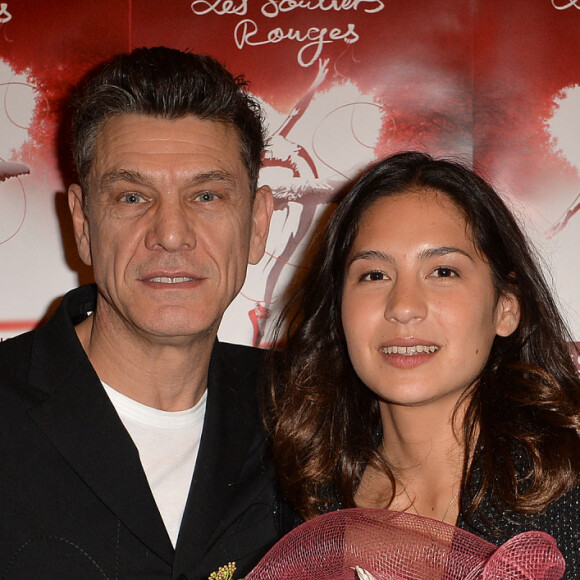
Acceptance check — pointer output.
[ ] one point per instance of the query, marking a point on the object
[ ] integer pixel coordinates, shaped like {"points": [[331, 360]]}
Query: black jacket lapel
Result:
{"points": [[230, 435], [83, 425]]}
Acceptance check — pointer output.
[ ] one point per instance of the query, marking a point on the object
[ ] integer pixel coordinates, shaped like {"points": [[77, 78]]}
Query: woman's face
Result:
{"points": [[419, 308]]}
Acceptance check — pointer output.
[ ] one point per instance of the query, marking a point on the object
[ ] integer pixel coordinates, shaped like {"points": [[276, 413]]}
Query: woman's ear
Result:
{"points": [[507, 314]]}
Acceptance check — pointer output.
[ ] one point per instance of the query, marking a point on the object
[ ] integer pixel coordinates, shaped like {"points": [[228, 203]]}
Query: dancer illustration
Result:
{"points": [[12, 169], [303, 188], [287, 154], [573, 208]]}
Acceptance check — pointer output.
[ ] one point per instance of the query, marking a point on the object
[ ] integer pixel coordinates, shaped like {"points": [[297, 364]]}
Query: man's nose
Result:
{"points": [[172, 228]]}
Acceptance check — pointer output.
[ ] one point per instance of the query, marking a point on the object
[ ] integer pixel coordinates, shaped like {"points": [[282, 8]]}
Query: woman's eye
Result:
{"points": [[373, 276], [444, 272]]}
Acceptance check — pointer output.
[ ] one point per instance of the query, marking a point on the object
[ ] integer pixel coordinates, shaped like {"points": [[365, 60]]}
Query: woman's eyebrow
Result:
{"points": [[424, 254], [370, 255], [442, 251]]}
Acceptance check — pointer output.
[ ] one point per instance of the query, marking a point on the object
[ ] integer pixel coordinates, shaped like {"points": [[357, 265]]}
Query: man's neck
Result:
{"points": [[167, 375]]}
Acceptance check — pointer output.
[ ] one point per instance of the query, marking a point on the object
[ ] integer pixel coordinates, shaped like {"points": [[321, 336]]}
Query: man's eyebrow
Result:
{"points": [[423, 254], [116, 175], [210, 176]]}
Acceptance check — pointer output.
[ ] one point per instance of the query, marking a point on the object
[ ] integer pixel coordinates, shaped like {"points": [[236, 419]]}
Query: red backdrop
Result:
{"points": [[343, 83]]}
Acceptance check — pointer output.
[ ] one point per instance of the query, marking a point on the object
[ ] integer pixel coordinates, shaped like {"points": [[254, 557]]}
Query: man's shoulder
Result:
{"points": [[15, 357], [236, 368], [238, 357], [50, 348], [15, 351], [240, 352]]}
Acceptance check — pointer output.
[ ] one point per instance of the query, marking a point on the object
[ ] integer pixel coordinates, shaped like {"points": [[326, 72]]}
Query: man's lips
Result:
{"points": [[170, 279], [167, 277]]}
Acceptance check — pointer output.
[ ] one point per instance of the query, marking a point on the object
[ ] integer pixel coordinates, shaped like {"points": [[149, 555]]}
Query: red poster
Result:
{"points": [[343, 82]]}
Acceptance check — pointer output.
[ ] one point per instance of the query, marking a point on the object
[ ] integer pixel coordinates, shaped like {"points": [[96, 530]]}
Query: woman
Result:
{"points": [[426, 366]]}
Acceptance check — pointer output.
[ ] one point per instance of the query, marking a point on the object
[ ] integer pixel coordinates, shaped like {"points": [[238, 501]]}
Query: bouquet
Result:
{"points": [[377, 544], [227, 573]]}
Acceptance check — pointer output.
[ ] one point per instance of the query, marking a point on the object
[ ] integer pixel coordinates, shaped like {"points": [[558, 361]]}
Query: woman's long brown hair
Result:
{"points": [[325, 424]]}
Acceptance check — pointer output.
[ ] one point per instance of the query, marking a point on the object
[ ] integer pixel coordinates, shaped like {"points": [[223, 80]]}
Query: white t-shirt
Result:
{"points": [[168, 444]]}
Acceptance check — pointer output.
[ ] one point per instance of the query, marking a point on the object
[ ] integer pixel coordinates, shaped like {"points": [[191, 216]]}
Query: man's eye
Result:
{"points": [[132, 198], [206, 196]]}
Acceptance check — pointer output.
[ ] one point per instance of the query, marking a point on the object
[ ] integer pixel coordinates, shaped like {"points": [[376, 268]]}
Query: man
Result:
{"points": [[130, 440]]}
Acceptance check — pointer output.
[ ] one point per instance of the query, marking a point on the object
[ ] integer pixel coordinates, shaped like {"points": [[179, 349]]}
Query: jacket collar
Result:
{"points": [[82, 423], [79, 419], [229, 435]]}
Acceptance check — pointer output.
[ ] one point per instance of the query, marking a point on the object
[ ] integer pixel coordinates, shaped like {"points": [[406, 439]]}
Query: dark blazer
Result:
{"points": [[74, 500]]}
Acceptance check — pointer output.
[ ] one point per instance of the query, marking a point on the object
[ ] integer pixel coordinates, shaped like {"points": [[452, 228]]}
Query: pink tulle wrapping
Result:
{"points": [[400, 546]]}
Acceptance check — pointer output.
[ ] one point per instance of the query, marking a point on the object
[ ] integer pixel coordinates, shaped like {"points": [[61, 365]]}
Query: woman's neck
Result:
{"points": [[426, 455]]}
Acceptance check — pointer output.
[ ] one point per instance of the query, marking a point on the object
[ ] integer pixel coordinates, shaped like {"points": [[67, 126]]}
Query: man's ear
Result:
{"points": [[507, 314], [262, 209], [80, 222]]}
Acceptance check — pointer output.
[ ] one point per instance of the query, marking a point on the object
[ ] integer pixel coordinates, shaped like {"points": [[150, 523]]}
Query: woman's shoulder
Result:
{"points": [[561, 519]]}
